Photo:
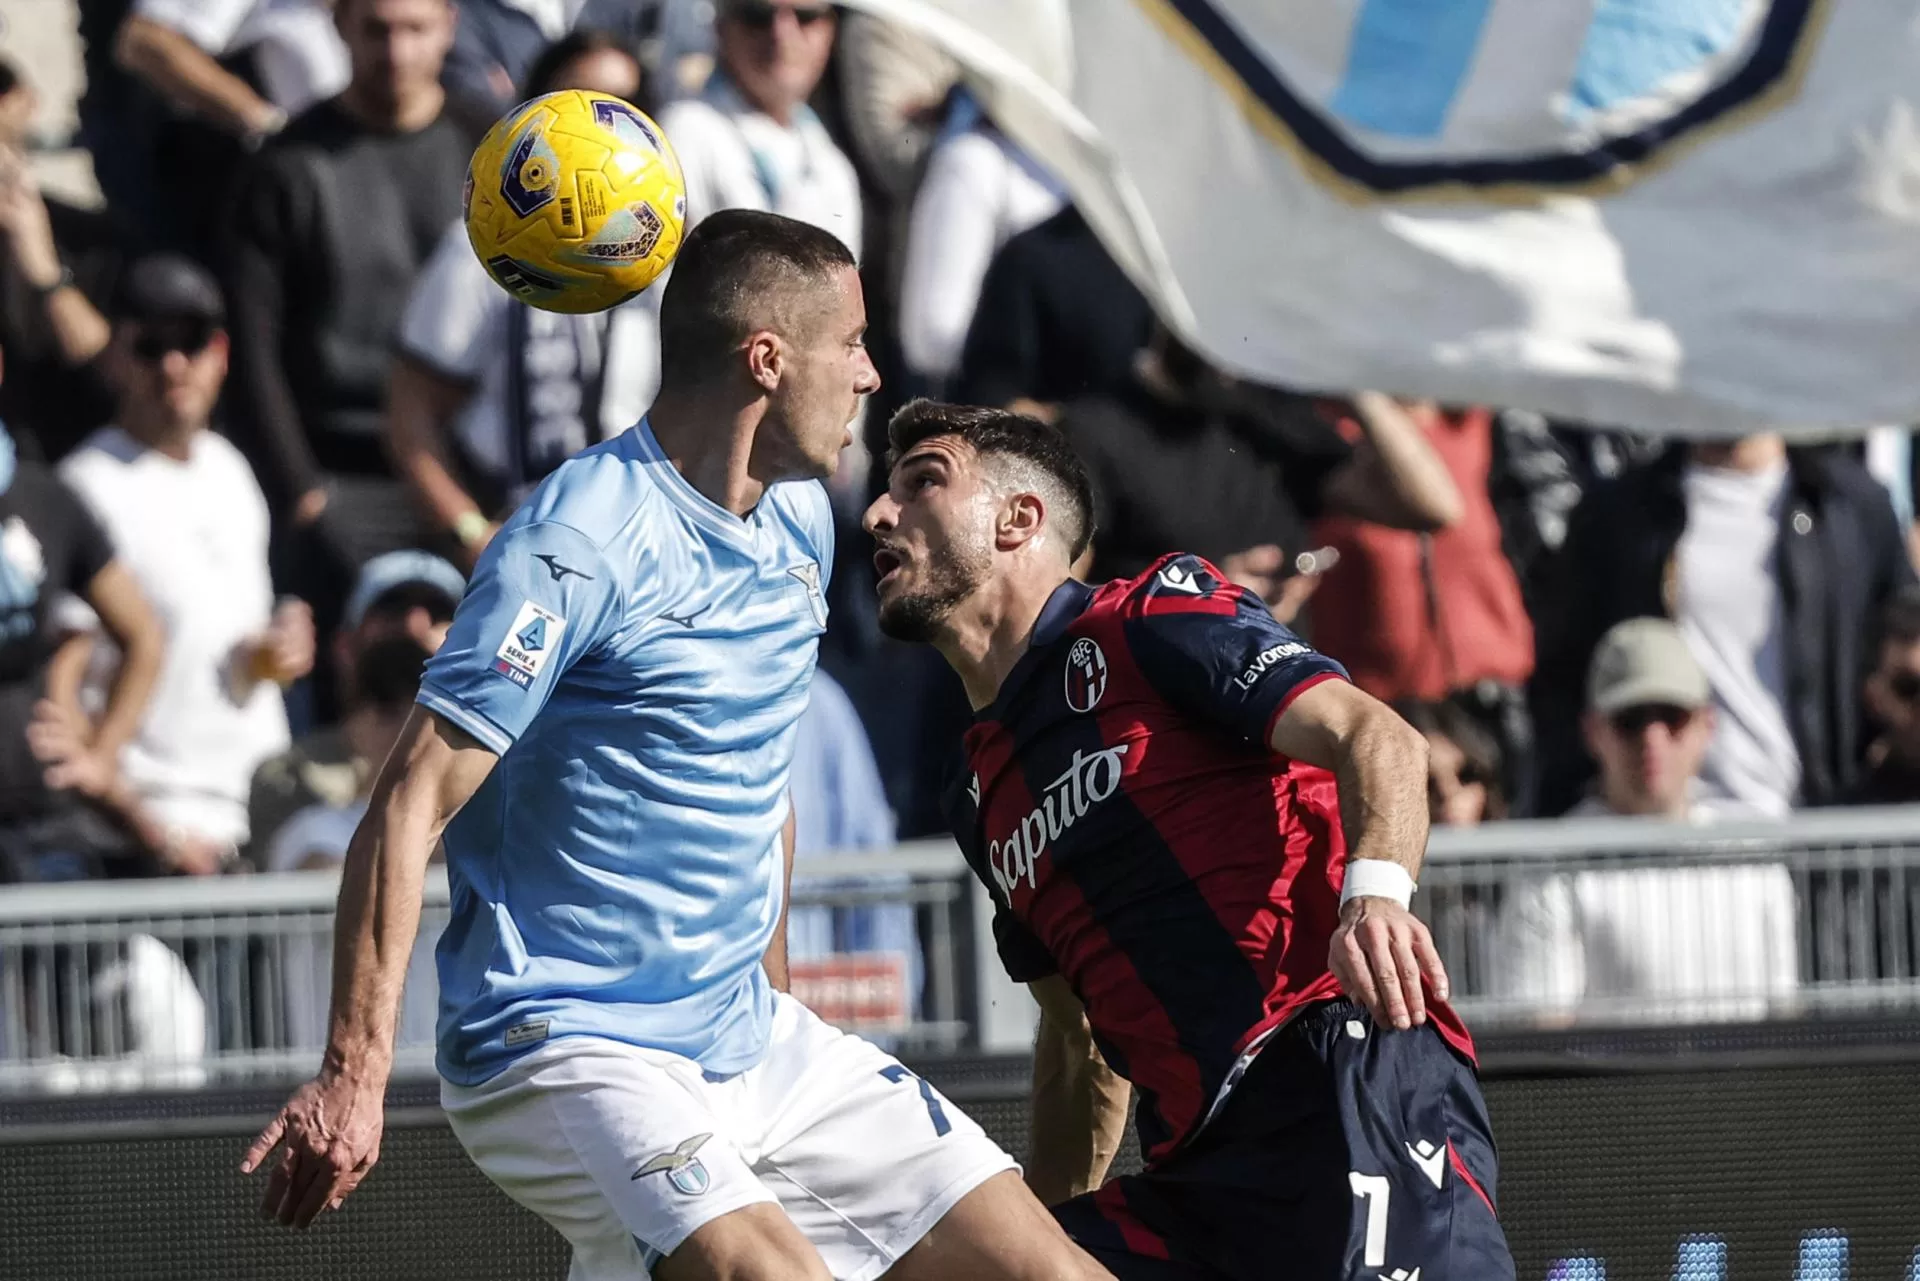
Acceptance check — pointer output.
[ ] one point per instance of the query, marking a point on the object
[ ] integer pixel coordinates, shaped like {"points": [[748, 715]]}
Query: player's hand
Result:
{"points": [[1380, 954], [57, 737], [330, 1132]]}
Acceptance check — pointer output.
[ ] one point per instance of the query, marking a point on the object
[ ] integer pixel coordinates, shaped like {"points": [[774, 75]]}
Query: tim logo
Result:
{"points": [[1403, 97], [1086, 675]]}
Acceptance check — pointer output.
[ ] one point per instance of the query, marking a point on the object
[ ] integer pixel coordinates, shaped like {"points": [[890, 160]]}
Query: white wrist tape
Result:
{"points": [[1377, 878]]}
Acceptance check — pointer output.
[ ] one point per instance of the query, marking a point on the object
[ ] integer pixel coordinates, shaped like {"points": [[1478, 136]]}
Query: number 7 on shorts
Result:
{"points": [[896, 1073]]}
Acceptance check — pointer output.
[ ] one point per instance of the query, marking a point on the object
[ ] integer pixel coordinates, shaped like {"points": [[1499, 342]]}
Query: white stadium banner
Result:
{"points": [[1683, 215]]}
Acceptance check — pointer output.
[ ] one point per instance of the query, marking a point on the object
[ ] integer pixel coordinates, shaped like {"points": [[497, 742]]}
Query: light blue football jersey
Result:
{"points": [[639, 657]]}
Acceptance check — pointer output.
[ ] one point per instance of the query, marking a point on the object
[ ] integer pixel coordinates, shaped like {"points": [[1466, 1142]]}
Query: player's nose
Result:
{"points": [[866, 378], [879, 516]]}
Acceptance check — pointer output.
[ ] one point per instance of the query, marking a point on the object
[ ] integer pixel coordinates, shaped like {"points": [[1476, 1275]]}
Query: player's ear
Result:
{"points": [[1023, 516], [766, 358]]}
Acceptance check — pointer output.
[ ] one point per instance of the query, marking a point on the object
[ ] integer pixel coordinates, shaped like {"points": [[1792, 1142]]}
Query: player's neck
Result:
{"points": [[712, 447], [988, 633], [172, 439], [403, 113]]}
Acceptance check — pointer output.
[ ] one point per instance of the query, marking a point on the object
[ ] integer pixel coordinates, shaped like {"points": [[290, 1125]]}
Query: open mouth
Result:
{"points": [[885, 562]]}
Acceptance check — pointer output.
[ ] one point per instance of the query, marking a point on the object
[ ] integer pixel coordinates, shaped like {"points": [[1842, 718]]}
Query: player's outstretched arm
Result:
{"points": [[330, 1129], [1382, 950], [1079, 1103]]}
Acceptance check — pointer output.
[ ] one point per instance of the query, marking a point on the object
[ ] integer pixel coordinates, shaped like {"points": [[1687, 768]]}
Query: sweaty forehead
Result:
{"points": [[947, 449]]}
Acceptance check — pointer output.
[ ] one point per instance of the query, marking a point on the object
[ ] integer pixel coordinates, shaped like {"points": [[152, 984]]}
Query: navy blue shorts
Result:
{"points": [[1345, 1152]]}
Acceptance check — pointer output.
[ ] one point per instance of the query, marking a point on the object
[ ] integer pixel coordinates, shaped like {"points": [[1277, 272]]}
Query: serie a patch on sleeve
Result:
{"points": [[535, 634]]}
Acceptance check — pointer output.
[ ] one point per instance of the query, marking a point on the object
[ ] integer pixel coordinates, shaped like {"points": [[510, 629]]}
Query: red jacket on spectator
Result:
{"points": [[1408, 624]]}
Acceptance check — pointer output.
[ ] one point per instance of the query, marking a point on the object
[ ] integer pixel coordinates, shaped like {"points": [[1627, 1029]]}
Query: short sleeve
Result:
{"points": [[541, 597], [210, 24], [1215, 650], [90, 548], [1021, 951], [455, 313]]}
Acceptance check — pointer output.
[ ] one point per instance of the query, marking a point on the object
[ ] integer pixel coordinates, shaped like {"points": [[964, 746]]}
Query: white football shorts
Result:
{"points": [[626, 1151]]}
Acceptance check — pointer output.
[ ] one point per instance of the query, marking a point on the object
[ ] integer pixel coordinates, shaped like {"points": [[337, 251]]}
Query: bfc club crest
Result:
{"points": [[1086, 675]]}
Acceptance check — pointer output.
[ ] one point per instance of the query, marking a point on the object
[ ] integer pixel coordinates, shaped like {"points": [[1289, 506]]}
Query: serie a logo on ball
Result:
{"points": [[575, 201]]}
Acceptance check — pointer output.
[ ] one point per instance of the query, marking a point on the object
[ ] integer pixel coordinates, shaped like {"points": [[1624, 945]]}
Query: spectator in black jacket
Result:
{"points": [[1775, 563], [1892, 696], [333, 221], [1057, 320]]}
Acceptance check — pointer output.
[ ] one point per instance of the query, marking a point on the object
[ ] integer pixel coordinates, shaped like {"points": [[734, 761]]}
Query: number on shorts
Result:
{"points": [[1373, 1189], [941, 1125]]}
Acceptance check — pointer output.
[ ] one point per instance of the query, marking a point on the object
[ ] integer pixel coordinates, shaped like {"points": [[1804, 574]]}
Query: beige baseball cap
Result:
{"points": [[1641, 662]]}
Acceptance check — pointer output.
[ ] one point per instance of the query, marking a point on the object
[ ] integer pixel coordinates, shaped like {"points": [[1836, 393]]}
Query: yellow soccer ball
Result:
{"points": [[575, 201]]}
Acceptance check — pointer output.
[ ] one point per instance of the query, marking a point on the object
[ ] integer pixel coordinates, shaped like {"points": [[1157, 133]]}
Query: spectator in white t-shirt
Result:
{"points": [[488, 395], [187, 518], [980, 190], [750, 141], [177, 46], [1644, 942]]}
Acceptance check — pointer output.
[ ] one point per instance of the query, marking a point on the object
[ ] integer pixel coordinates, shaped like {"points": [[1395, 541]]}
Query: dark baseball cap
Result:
{"points": [[168, 287]]}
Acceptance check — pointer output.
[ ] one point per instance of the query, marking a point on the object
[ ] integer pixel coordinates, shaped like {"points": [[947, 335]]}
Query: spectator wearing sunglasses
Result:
{"points": [[1892, 697], [1775, 564], [184, 513], [750, 141], [1641, 939], [1648, 722]]}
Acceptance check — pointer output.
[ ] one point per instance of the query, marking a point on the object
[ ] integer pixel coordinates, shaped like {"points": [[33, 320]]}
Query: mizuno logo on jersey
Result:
{"points": [[558, 570], [529, 643], [686, 620], [1088, 781], [1265, 661]]}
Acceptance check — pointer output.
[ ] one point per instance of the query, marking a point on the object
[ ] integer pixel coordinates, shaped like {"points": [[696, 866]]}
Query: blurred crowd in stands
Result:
{"points": [[264, 408]]}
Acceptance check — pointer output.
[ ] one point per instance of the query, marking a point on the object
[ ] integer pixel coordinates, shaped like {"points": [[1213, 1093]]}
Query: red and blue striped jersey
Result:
{"points": [[1140, 838]]}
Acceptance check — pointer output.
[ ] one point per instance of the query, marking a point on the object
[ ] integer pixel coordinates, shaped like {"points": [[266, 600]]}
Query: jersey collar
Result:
{"points": [[734, 530], [1069, 600]]}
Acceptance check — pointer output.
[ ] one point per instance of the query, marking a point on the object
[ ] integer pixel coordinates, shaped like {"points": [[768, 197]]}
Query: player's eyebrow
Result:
{"points": [[918, 464]]}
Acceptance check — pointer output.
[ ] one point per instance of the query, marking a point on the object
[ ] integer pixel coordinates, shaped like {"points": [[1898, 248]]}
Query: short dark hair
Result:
{"points": [[1900, 617], [1004, 434], [738, 271], [577, 44]]}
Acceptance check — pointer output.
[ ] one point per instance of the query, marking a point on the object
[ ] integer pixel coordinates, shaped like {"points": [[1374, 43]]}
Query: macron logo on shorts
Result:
{"points": [[683, 1169]]}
